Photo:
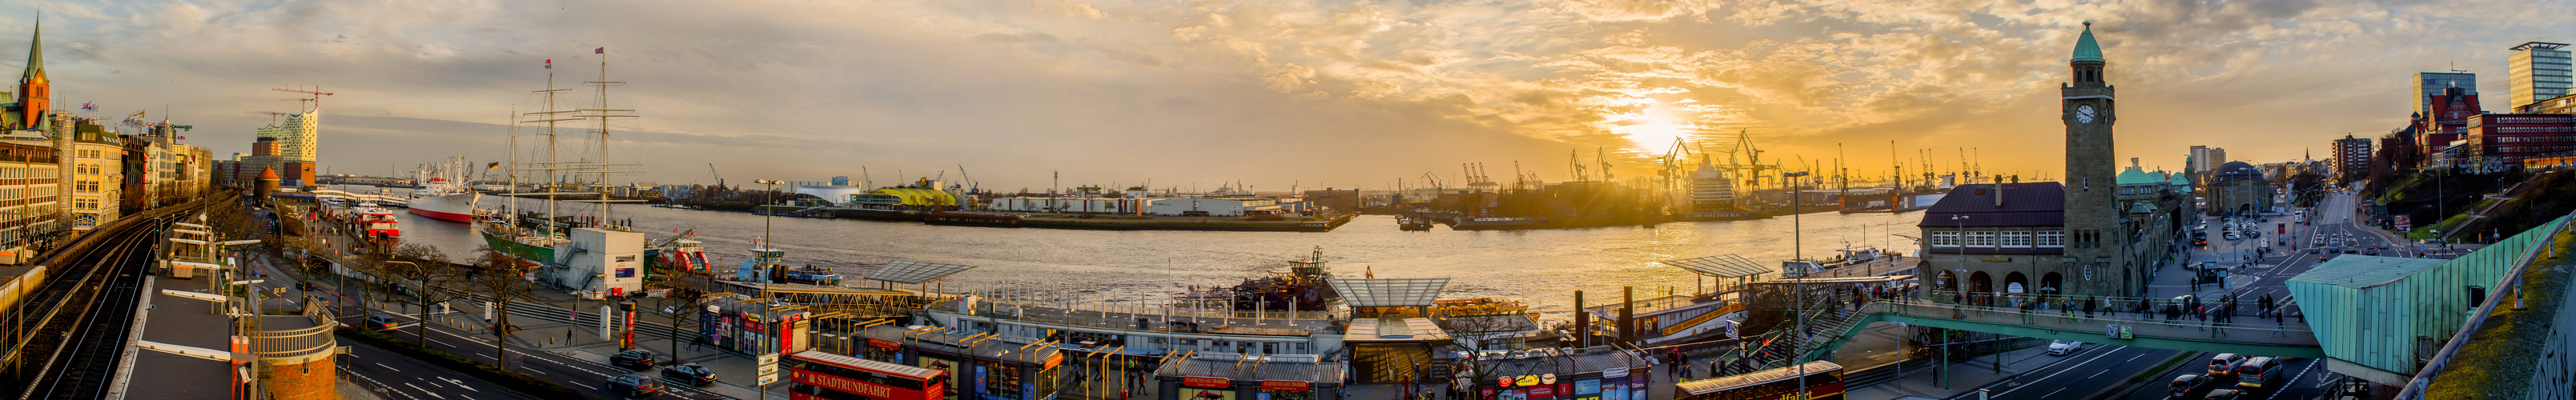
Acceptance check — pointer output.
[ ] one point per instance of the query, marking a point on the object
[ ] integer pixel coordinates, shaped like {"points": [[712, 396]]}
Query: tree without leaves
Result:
{"points": [[426, 272], [500, 276]]}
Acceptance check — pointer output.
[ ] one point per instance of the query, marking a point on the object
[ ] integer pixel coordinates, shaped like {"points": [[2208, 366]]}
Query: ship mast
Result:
{"points": [[602, 167], [553, 181]]}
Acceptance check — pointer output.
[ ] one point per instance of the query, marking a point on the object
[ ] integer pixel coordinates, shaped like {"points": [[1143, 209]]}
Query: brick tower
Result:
{"points": [[2094, 262]]}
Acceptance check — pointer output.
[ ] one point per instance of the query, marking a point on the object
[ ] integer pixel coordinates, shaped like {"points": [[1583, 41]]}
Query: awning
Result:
{"points": [[1722, 266], [914, 272], [1412, 292]]}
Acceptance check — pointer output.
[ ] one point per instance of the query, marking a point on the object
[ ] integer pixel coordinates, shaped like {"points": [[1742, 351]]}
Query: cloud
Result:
{"points": [[1347, 93]]}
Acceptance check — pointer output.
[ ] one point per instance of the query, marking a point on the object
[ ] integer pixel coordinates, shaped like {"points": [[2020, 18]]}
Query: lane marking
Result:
{"points": [[381, 365], [2052, 394], [2054, 375], [2095, 374]]}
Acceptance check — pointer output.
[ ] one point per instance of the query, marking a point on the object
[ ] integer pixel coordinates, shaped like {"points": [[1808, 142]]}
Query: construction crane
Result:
{"points": [[272, 115], [711, 172], [315, 91]]}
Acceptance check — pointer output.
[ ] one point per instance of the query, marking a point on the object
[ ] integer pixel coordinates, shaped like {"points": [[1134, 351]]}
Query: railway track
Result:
{"points": [[68, 335]]}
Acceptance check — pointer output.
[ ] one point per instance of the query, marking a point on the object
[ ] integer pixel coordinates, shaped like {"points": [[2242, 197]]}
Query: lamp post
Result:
{"points": [[1798, 302], [768, 316]]}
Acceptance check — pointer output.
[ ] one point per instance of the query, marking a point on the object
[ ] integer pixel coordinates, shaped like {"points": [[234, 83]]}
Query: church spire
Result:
{"points": [[36, 51]]}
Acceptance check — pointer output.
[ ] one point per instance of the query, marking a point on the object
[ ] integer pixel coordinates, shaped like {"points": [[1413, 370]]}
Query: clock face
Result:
{"points": [[2084, 114]]}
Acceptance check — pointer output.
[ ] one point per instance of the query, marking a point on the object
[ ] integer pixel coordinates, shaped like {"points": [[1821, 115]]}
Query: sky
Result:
{"points": [[1272, 94]]}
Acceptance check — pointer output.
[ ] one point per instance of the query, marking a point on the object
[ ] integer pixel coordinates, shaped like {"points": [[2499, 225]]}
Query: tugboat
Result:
{"points": [[1410, 223]]}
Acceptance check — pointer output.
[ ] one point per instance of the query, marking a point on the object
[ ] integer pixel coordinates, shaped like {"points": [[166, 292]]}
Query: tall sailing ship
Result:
{"points": [[534, 236]]}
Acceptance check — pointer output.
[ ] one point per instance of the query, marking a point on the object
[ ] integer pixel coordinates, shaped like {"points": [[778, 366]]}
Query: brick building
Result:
{"points": [[2496, 142], [2352, 159], [2449, 120]]}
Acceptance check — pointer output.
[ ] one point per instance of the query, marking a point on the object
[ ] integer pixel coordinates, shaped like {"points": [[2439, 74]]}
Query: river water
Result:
{"points": [[1541, 267]]}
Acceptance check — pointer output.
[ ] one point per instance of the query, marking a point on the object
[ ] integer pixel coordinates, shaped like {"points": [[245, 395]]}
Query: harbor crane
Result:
{"points": [[272, 115]]}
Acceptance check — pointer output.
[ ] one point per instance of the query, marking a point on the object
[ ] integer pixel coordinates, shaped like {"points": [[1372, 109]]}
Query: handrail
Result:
{"points": [[2424, 377]]}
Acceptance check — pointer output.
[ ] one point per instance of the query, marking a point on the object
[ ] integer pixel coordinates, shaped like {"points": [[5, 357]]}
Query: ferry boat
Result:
{"points": [[380, 223], [765, 266], [684, 255], [444, 193]]}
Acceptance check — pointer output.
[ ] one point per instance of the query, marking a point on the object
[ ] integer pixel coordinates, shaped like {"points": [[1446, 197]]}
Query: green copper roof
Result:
{"points": [[2179, 179], [2085, 49], [2136, 177]]}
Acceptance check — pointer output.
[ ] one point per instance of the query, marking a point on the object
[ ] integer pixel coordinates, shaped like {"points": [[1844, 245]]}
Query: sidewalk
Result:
{"points": [[1970, 375]]}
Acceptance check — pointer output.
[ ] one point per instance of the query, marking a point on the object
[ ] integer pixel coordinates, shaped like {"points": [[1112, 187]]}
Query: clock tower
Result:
{"points": [[2095, 259]]}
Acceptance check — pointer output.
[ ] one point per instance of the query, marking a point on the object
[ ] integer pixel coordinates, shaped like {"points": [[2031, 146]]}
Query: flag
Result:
{"points": [[550, 63], [492, 165], [89, 107], [602, 50]]}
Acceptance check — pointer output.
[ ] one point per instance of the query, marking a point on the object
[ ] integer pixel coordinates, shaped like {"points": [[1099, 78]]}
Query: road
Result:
{"points": [[2095, 367], [405, 379], [588, 377]]}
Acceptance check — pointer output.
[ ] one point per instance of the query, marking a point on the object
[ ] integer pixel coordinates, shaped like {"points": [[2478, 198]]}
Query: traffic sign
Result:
{"points": [[770, 359], [768, 379]]}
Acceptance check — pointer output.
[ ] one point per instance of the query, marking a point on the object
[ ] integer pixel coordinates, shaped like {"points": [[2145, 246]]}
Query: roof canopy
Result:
{"points": [[914, 272], [1413, 292], [1722, 266]]}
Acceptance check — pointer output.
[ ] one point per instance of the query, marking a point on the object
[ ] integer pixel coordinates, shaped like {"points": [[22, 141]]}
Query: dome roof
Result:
{"points": [[2136, 177], [2085, 49], [2238, 168], [2179, 179]]}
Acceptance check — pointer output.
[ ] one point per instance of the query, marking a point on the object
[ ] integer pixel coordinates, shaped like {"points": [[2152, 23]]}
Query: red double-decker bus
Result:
{"points": [[815, 375]]}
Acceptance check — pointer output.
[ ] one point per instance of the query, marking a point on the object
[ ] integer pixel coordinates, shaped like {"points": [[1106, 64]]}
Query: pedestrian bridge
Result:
{"points": [[2290, 338]]}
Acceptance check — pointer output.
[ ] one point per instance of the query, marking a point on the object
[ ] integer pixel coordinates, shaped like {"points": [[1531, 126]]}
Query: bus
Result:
{"points": [[816, 375], [1824, 381]]}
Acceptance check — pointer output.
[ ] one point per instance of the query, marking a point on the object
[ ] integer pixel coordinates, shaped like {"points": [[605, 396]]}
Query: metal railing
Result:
{"points": [[2538, 241]]}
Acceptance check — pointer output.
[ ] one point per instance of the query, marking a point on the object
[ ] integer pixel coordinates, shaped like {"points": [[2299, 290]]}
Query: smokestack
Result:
{"points": [[1999, 192]]}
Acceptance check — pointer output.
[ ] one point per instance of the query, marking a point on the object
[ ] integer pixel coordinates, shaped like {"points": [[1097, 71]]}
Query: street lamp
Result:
{"points": [[1798, 302], [768, 315]]}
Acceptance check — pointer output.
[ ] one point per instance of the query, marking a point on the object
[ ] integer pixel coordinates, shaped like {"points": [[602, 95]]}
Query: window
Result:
{"points": [[1945, 238], [2017, 239], [1981, 239]]}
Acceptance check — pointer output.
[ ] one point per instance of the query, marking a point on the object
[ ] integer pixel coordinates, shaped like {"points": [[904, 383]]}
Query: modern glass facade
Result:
{"points": [[2539, 71], [2428, 85]]}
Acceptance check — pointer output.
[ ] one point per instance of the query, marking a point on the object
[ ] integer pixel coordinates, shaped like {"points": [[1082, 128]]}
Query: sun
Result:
{"points": [[1652, 133]]}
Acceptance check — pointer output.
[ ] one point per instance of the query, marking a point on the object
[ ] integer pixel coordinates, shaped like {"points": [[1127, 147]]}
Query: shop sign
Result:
{"points": [[1614, 373], [1527, 380], [1503, 381], [1995, 259], [884, 344], [1052, 361], [1587, 387], [1547, 379], [1543, 391], [1488, 392], [1206, 382], [1284, 386]]}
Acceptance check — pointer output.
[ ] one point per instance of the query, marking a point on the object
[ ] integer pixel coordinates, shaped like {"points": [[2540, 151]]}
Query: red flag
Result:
{"points": [[602, 50]]}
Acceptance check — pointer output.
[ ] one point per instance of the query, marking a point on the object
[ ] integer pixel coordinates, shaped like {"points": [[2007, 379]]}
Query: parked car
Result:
{"points": [[636, 359], [2061, 347], [633, 385], [2189, 387], [692, 374], [2258, 373], [382, 322], [2224, 364]]}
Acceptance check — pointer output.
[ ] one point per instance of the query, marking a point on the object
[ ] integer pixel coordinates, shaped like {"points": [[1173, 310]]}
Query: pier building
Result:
{"points": [[1247, 376], [2092, 234]]}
